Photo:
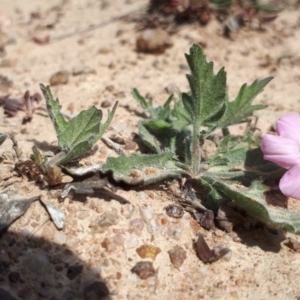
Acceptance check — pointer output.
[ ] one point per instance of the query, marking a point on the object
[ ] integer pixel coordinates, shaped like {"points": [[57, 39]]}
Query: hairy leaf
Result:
{"points": [[77, 136], [124, 165], [104, 126], [252, 199], [54, 108], [241, 107], [148, 168], [160, 112], [207, 90], [84, 127]]}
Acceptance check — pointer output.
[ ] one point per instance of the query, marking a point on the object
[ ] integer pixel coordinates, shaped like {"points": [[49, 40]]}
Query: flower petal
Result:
{"points": [[280, 150], [289, 126], [290, 182]]}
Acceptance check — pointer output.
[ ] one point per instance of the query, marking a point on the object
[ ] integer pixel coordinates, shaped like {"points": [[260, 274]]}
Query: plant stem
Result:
{"points": [[196, 151]]}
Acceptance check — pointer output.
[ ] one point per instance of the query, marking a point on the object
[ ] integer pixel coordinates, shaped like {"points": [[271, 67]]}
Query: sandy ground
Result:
{"points": [[99, 240]]}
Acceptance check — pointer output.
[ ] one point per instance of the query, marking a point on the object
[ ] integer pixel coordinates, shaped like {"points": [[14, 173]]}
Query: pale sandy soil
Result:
{"points": [[261, 266]]}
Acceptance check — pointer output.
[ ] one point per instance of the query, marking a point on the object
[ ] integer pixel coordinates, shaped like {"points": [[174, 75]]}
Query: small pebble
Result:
{"points": [[131, 242], [110, 88], [172, 89], [104, 50], [138, 222], [184, 67], [108, 245], [162, 220], [175, 231], [106, 104], [153, 41], [148, 251], [177, 256], [146, 214], [5, 84], [60, 77], [119, 239], [154, 229], [174, 211], [144, 269], [293, 244]]}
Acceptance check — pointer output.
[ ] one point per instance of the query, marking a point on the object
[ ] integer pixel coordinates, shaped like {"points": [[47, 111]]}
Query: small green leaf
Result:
{"points": [[54, 108], [104, 126], [155, 112], [77, 136], [143, 102], [237, 110], [148, 138]]}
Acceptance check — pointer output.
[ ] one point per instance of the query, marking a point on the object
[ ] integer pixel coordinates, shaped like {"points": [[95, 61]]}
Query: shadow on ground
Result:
{"points": [[260, 236], [33, 269]]}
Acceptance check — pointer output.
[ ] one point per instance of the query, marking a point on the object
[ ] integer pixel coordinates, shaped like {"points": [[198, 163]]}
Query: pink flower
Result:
{"points": [[284, 150]]}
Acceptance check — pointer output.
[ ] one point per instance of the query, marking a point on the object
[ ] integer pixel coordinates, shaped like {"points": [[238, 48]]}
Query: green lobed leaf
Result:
{"points": [[84, 127], [77, 136], [235, 153], [54, 108], [162, 166], [207, 90], [123, 165], [252, 199], [237, 110]]}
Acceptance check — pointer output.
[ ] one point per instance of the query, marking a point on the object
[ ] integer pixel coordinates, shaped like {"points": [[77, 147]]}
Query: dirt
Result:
{"points": [[93, 255]]}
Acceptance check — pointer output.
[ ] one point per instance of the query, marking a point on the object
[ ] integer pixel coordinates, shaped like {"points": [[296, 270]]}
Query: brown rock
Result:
{"points": [[60, 77], [108, 245], [174, 211], [143, 269], [177, 256], [153, 41], [148, 251]]}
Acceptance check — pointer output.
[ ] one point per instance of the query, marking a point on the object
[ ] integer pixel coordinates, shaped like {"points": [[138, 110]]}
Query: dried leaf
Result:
{"points": [[206, 254], [12, 206], [58, 216]]}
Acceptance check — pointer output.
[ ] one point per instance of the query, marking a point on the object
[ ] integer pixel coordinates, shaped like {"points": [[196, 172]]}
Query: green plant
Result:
{"points": [[173, 135], [78, 135]]}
